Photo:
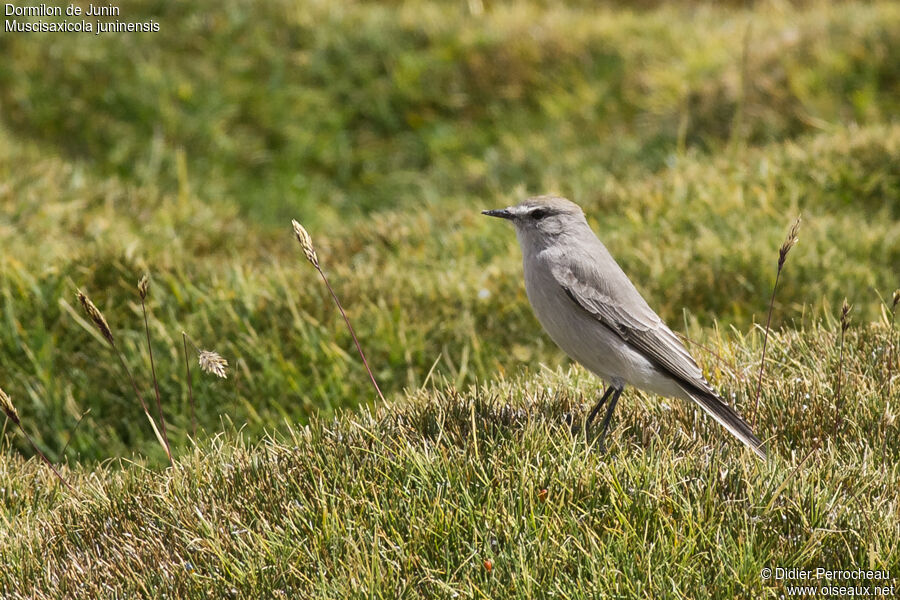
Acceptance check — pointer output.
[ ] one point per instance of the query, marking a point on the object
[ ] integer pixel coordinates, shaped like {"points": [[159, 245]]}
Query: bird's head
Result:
{"points": [[542, 218]]}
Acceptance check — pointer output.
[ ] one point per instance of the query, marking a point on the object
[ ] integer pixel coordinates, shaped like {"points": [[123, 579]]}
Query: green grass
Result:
{"points": [[410, 499], [280, 105], [441, 281], [692, 135]]}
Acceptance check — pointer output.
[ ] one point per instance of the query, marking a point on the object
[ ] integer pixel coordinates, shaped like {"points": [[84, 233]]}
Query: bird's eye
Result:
{"points": [[539, 213]]}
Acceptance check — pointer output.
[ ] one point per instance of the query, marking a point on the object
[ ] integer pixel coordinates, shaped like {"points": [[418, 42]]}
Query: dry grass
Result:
{"points": [[306, 245], [100, 322], [411, 499], [143, 287], [213, 363], [789, 242], [9, 409], [209, 361], [845, 325]]}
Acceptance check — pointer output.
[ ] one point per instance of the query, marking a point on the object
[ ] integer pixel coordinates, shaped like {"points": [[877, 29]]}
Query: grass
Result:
{"points": [[691, 134], [410, 499], [353, 103], [247, 289], [789, 242]]}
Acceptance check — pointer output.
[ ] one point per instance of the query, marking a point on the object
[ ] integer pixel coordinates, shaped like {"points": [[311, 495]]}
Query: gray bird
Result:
{"points": [[590, 308]]}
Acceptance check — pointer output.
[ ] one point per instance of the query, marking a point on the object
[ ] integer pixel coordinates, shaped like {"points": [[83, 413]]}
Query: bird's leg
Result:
{"points": [[596, 409], [608, 417]]}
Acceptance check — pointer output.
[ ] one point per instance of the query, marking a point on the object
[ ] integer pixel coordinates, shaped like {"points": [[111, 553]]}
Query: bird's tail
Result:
{"points": [[724, 414]]}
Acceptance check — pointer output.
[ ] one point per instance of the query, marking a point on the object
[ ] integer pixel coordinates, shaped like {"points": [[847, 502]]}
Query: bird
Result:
{"points": [[593, 312]]}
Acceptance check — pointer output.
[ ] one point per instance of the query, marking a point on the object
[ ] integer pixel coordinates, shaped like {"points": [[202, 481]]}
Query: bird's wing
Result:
{"points": [[636, 324], [629, 316]]}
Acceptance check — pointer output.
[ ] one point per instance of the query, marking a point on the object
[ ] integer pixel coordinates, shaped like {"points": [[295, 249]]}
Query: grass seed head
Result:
{"points": [[845, 315], [896, 298], [305, 243], [144, 286], [789, 242], [8, 408], [212, 362], [96, 316]]}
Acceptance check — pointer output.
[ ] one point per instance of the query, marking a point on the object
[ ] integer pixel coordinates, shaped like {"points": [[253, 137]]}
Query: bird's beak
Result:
{"points": [[503, 213]]}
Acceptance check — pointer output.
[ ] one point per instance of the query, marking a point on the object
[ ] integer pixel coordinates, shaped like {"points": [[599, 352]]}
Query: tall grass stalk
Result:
{"points": [[845, 324], [789, 243], [210, 362], [143, 291], [13, 415], [307, 246], [100, 322]]}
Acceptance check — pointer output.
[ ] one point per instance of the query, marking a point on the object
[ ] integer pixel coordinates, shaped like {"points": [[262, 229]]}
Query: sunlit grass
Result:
{"points": [[412, 499], [691, 135]]}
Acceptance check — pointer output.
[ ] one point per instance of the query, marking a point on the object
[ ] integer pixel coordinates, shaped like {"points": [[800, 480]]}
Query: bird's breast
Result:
{"points": [[578, 333]]}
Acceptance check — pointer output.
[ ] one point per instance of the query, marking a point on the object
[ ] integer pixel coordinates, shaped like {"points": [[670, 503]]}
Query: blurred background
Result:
{"points": [[691, 133]]}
